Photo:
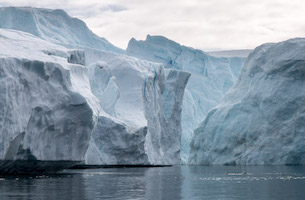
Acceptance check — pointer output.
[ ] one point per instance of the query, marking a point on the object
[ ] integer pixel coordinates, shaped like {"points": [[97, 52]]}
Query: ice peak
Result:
{"points": [[54, 26]]}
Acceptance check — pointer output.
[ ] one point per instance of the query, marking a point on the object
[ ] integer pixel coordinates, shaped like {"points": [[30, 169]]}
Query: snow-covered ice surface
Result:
{"points": [[47, 110], [261, 119], [210, 79], [55, 26], [141, 122]]}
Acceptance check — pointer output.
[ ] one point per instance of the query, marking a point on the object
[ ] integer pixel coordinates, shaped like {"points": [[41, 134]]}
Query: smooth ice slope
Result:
{"points": [[261, 119], [143, 105], [210, 78], [55, 26], [47, 111]]}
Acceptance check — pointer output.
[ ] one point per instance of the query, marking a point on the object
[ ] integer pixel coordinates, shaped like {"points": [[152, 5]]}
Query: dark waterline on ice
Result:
{"points": [[185, 182]]}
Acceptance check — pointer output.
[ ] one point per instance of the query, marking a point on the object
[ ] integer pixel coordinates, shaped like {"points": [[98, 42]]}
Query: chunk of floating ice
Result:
{"points": [[235, 174]]}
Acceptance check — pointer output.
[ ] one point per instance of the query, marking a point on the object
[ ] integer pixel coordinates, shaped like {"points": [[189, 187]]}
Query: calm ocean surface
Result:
{"points": [[185, 182]]}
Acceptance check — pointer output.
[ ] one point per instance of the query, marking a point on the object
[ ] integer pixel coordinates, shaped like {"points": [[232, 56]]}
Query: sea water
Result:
{"points": [[177, 182]]}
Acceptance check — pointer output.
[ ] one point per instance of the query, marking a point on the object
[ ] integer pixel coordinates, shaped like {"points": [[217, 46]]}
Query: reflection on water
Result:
{"points": [[163, 183], [42, 187], [185, 182], [259, 182]]}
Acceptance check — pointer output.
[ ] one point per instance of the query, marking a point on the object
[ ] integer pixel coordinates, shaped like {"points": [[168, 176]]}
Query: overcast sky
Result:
{"points": [[203, 24]]}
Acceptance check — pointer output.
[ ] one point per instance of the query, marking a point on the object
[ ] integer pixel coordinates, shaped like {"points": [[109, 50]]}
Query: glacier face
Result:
{"points": [[210, 79], [142, 103], [47, 111], [55, 26], [260, 121]]}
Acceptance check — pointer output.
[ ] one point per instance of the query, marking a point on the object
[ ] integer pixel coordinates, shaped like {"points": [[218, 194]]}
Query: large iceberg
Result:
{"points": [[47, 110], [55, 26], [260, 121], [142, 119], [210, 79]]}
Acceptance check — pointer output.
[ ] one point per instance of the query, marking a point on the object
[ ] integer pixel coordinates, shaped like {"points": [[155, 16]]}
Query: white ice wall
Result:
{"points": [[137, 131], [260, 121], [210, 79], [47, 111]]}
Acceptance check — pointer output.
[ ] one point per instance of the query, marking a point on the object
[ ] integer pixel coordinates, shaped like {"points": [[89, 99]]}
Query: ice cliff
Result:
{"points": [[47, 111], [142, 103], [260, 121], [139, 103], [210, 79], [55, 26]]}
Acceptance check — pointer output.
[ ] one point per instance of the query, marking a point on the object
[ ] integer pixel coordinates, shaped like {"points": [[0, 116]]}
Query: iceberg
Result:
{"points": [[260, 121], [47, 110], [142, 104], [210, 79], [139, 103], [55, 26]]}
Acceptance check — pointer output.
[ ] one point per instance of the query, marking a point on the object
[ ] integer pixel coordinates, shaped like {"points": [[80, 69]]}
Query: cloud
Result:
{"points": [[208, 24]]}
